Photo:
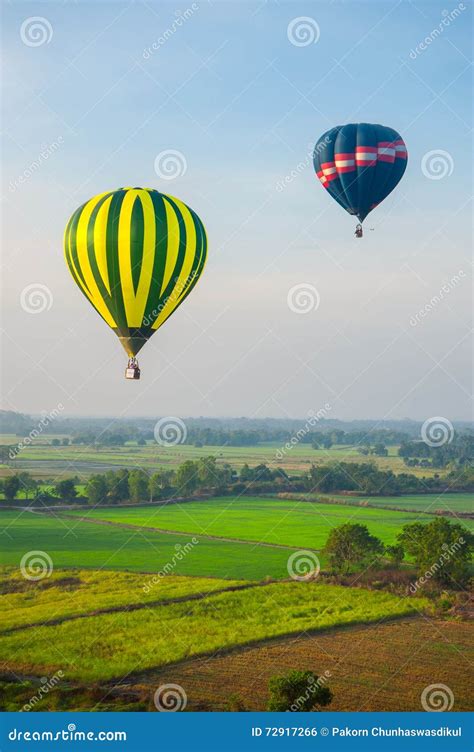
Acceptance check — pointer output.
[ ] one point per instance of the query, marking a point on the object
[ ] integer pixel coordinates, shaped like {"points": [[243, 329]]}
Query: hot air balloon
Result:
{"points": [[136, 254], [359, 164]]}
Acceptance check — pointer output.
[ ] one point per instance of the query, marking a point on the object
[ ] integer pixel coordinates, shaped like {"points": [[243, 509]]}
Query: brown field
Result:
{"points": [[374, 668]]}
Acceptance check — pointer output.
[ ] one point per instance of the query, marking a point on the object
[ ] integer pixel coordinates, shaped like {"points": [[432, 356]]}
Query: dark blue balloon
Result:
{"points": [[359, 164]]}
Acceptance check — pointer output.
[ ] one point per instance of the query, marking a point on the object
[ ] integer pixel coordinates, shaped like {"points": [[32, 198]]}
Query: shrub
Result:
{"points": [[298, 691]]}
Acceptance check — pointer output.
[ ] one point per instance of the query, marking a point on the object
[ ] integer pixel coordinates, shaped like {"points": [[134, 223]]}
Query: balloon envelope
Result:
{"points": [[359, 164], [136, 254]]}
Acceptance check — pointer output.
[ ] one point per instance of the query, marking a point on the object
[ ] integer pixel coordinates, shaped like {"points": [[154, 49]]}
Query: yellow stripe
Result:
{"points": [[100, 241], [148, 260], [135, 304], [173, 236], [83, 257], [125, 267], [190, 253]]}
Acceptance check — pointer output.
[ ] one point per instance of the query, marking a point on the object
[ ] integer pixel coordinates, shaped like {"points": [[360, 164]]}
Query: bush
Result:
{"points": [[235, 704], [298, 691]]}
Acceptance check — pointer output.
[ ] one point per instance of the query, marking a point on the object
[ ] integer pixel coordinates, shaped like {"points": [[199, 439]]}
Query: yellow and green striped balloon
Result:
{"points": [[136, 254]]}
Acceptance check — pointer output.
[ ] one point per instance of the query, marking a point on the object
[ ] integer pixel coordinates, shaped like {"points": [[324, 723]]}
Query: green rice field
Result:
{"points": [[430, 503], [80, 544], [285, 522]]}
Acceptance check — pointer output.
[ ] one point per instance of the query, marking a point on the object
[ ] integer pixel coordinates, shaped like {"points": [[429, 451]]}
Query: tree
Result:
{"points": [[27, 483], [138, 484], [66, 489], [207, 472], [117, 485], [11, 487], [350, 547], [186, 478], [395, 554], [141, 441], [441, 550], [55, 442], [297, 691], [7, 453], [159, 482], [245, 473], [380, 450], [96, 489], [66, 442], [326, 441]]}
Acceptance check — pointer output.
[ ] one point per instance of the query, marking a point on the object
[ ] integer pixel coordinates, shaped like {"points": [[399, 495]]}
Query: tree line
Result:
{"points": [[208, 476], [459, 451]]}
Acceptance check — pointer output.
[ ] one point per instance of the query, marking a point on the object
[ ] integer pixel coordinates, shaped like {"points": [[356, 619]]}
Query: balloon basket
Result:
{"points": [[132, 370]]}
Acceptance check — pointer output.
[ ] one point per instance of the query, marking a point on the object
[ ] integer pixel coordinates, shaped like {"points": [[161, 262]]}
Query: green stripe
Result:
{"points": [[117, 307], [181, 251], [137, 231], [200, 257], [154, 299]]}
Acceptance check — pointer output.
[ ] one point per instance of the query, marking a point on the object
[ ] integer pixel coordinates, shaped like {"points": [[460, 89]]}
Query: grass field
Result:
{"points": [[380, 667], [79, 544], [287, 522], [70, 592], [44, 460], [114, 645], [430, 503]]}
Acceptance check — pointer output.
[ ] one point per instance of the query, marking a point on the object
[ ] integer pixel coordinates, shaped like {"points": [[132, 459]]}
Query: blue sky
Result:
{"points": [[243, 106]]}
